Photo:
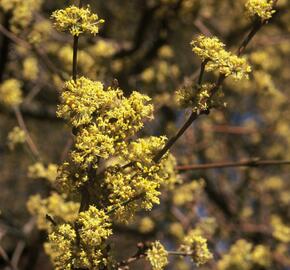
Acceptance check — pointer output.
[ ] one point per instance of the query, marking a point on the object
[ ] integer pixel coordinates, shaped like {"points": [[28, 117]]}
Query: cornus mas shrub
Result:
{"points": [[112, 173]]}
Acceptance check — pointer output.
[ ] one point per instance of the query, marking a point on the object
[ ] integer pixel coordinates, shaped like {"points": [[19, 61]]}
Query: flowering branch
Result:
{"points": [[194, 115]]}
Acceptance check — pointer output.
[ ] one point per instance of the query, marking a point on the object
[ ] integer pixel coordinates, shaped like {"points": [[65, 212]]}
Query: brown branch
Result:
{"points": [[228, 164], [32, 146], [141, 253]]}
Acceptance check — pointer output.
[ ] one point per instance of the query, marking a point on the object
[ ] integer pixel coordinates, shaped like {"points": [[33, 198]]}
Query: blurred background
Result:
{"points": [[145, 46]]}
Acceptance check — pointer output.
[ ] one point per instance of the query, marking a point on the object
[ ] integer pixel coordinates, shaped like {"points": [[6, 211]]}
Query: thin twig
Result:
{"points": [[32, 146], [228, 164]]}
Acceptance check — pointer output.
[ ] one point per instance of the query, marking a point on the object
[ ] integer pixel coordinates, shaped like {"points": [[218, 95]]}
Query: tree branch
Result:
{"points": [[228, 164]]}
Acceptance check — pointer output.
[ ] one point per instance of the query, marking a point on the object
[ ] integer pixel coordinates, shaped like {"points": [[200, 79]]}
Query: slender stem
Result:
{"points": [[202, 69], [21, 123], [75, 58], [172, 141], [179, 253], [228, 164], [75, 51]]}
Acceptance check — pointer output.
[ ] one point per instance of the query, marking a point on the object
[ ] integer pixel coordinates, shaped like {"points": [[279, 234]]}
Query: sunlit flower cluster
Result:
{"points": [[261, 8], [56, 206], [212, 52], [244, 256], [188, 192], [39, 171], [60, 247], [94, 229], [141, 180], [198, 99], [157, 256], [76, 20], [196, 245]]}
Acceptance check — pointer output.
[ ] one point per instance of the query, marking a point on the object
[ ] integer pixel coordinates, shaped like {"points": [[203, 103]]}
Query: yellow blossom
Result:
{"points": [[146, 225], [94, 226], [195, 245], [76, 20], [157, 256], [280, 230], [261, 8], [212, 51], [239, 257], [56, 206], [10, 93], [30, 69], [60, 247], [94, 229], [38, 170], [16, 136], [188, 192]]}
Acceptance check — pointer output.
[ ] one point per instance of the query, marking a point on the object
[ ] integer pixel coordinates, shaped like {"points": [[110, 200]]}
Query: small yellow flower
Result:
{"points": [[212, 51], [261, 8], [10, 93], [16, 136], [157, 256], [38, 170], [76, 20], [30, 69], [196, 245], [60, 247]]}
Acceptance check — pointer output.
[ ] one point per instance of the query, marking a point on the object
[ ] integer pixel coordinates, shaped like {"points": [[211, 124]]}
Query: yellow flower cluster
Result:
{"points": [[187, 193], [196, 245], [157, 256], [22, 12], [40, 32], [206, 226], [280, 230], [141, 180], [94, 228], [16, 136], [70, 177], [30, 68], [243, 256], [261, 255], [10, 93], [38, 170], [146, 225], [60, 247], [57, 206], [80, 100], [211, 50], [107, 117], [261, 8], [198, 99], [76, 20]]}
